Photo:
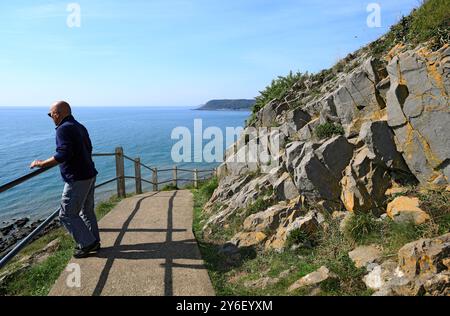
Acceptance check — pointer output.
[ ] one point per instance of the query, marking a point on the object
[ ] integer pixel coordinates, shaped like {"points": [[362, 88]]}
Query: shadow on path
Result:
{"points": [[169, 250]]}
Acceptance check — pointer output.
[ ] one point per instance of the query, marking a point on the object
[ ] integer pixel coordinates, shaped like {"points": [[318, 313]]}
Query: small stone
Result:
{"points": [[243, 239], [394, 191], [262, 283], [313, 278], [406, 209], [364, 255], [286, 273]]}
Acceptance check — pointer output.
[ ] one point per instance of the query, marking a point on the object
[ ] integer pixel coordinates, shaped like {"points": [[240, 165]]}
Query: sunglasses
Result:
{"points": [[49, 114]]}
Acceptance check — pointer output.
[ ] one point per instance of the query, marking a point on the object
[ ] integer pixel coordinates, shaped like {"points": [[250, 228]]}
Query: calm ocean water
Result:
{"points": [[28, 134]]}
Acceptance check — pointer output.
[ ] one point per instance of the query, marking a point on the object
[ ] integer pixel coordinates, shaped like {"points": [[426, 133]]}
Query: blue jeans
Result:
{"points": [[77, 212]]}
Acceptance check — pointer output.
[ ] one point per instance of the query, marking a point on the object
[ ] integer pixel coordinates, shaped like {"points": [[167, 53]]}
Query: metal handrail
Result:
{"points": [[120, 177], [22, 179]]}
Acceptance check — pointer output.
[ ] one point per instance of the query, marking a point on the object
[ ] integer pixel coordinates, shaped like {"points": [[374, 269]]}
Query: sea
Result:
{"points": [[27, 134]]}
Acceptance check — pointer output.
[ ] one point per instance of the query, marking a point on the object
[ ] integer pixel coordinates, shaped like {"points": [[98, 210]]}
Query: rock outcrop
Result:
{"points": [[395, 119], [422, 269], [418, 110]]}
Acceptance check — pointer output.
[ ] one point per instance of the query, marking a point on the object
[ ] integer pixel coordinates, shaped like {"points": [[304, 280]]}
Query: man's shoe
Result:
{"points": [[84, 252], [77, 247]]}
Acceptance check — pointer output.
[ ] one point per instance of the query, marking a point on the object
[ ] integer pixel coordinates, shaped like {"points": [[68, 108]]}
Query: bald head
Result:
{"points": [[59, 111], [62, 107]]}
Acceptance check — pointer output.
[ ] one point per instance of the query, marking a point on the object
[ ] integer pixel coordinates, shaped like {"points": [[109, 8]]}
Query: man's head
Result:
{"points": [[59, 111]]}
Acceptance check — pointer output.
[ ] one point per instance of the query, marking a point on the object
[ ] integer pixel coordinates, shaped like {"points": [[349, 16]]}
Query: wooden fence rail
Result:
{"points": [[120, 178]]}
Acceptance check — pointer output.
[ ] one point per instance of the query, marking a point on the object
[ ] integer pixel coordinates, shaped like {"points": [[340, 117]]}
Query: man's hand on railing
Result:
{"points": [[51, 162]]}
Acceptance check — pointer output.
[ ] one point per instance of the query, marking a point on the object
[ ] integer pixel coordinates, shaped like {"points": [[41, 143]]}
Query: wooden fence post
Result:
{"points": [[137, 175], [175, 173], [196, 178], [155, 179], [120, 173]]}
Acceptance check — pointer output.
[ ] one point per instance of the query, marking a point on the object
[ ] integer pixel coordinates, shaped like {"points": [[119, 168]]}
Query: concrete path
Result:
{"points": [[148, 248]]}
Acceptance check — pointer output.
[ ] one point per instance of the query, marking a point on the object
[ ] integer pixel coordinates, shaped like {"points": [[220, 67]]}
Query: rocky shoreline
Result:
{"points": [[13, 232]]}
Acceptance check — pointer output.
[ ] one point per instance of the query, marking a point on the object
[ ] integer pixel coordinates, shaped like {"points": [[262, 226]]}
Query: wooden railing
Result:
{"points": [[120, 157]]}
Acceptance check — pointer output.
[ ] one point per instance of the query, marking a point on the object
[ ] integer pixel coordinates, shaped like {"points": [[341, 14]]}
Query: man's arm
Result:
{"points": [[50, 162]]}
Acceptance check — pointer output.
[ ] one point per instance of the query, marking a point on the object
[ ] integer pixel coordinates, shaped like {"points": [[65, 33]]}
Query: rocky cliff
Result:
{"points": [[352, 140]]}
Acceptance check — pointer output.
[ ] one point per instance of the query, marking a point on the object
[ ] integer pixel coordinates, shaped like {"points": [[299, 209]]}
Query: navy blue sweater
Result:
{"points": [[74, 151]]}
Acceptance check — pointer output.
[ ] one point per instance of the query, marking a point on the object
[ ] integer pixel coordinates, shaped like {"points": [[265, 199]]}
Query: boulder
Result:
{"points": [[425, 256], [306, 133], [422, 269], [285, 188], [364, 255], [296, 119], [406, 209], [244, 240], [357, 99], [418, 111], [293, 154], [308, 224], [314, 278], [380, 140], [380, 275], [315, 181], [438, 284], [267, 220], [364, 183], [271, 111], [335, 154]]}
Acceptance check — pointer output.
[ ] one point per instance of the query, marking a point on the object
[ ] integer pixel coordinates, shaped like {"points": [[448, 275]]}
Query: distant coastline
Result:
{"points": [[228, 105]]}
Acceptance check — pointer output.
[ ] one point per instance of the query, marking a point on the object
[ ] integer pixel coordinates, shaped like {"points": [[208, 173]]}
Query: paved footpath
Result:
{"points": [[148, 248]]}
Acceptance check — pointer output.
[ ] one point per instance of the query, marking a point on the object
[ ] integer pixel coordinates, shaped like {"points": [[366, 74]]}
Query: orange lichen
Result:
{"points": [[432, 69], [394, 52]]}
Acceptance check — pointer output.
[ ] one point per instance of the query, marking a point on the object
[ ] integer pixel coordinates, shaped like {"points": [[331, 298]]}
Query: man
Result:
{"points": [[74, 157]]}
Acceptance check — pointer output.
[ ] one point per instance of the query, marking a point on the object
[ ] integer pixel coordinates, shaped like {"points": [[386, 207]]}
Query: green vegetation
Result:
{"points": [[169, 187], [330, 249], [298, 237], [232, 279], [37, 279], [430, 22], [278, 89], [328, 130], [364, 229]]}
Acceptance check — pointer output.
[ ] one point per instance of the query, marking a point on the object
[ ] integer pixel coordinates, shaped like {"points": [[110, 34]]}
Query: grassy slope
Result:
{"points": [[38, 279], [331, 250], [430, 23]]}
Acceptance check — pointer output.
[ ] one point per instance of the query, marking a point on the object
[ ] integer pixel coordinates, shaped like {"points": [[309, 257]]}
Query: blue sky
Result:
{"points": [[173, 52]]}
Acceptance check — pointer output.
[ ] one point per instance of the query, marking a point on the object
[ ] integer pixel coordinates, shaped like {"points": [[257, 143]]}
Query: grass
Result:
{"points": [[430, 22], [278, 89], [38, 279], [169, 187], [365, 229], [224, 233], [331, 248], [332, 251], [328, 130]]}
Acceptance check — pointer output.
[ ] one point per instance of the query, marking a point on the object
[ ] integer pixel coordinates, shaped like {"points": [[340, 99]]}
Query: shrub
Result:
{"points": [[278, 89], [298, 237], [328, 130], [430, 22], [361, 227]]}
